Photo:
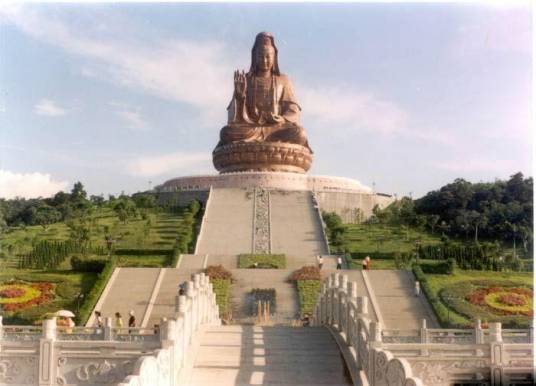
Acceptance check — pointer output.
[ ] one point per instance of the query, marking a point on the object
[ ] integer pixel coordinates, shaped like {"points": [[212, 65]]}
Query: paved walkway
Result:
{"points": [[399, 307], [254, 355]]}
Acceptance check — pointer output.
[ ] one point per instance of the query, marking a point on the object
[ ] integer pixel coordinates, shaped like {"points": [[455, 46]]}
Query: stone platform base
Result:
{"points": [[266, 180], [347, 197]]}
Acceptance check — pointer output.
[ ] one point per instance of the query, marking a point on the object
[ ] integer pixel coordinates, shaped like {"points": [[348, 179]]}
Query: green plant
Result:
{"points": [[222, 289], [308, 291], [262, 261]]}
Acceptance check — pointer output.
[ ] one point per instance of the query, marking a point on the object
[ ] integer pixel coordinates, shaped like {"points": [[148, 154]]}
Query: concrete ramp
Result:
{"points": [[128, 289], [396, 300], [227, 224], [296, 228]]}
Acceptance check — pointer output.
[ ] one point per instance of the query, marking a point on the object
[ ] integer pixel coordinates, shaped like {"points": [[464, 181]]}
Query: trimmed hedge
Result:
{"points": [[81, 264], [262, 261], [441, 268], [308, 292], [93, 296], [187, 237]]}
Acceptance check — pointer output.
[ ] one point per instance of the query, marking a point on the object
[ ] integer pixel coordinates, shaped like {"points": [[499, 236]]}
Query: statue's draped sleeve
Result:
{"points": [[289, 108]]}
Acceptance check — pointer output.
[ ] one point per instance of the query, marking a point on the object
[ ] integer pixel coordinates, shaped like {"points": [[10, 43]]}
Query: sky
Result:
{"points": [[402, 97]]}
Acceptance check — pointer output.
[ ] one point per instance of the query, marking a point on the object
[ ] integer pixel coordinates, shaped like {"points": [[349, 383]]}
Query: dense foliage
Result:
{"points": [[496, 210], [307, 272], [308, 292], [215, 272]]}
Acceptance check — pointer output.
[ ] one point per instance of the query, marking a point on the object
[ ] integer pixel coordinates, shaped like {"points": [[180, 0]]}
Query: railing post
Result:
{"points": [[335, 300], [190, 293], [375, 329], [479, 334], [183, 304], [108, 328], [1, 328], [343, 283], [351, 316], [497, 353], [424, 332], [47, 362]]}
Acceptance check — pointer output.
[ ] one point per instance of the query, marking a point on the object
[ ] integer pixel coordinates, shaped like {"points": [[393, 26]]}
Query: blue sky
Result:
{"points": [[406, 96]]}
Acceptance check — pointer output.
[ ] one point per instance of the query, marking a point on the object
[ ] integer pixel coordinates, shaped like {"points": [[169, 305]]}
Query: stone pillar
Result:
{"points": [[362, 303], [375, 330], [190, 293], [108, 328], [495, 332], [497, 353], [423, 331], [479, 333], [47, 358], [183, 303]]}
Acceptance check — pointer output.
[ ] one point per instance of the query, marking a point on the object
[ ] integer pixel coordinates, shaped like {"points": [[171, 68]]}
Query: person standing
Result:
{"points": [[364, 264], [69, 324], [367, 259], [320, 261], [339, 262], [118, 322], [131, 321], [98, 319]]}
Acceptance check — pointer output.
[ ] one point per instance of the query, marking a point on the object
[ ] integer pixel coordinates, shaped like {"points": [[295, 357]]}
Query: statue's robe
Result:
{"points": [[249, 118]]}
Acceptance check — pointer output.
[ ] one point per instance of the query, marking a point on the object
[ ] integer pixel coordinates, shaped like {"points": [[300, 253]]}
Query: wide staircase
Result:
{"points": [[295, 225], [256, 355], [227, 223]]}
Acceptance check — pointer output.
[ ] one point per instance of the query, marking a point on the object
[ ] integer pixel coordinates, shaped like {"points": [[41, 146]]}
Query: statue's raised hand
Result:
{"points": [[240, 83]]}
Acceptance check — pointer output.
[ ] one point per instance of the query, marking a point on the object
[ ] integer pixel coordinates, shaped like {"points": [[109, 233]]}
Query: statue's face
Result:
{"points": [[265, 58]]}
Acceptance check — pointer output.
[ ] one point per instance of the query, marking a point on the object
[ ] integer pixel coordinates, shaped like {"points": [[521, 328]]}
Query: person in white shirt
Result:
{"points": [[339, 262]]}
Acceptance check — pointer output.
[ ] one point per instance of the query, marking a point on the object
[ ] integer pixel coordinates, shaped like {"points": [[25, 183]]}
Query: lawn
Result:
{"points": [[378, 240]]}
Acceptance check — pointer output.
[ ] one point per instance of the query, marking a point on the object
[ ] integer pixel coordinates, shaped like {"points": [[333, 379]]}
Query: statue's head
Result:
{"points": [[264, 54]]}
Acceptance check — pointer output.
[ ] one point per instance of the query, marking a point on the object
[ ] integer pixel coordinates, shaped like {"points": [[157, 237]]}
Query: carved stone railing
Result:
{"points": [[378, 357], [50, 355]]}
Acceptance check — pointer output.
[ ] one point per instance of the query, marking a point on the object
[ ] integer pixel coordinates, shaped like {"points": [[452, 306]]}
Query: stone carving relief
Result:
{"points": [[82, 371], [439, 373], [262, 221], [18, 370]]}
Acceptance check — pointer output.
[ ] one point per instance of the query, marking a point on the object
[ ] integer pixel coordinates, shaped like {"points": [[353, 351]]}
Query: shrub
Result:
{"points": [[261, 261], [308, 272], [218, 272], [187, 237]]}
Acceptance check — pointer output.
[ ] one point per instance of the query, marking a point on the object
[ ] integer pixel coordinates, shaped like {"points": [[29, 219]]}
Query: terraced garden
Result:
{"points": [[151, 240]]}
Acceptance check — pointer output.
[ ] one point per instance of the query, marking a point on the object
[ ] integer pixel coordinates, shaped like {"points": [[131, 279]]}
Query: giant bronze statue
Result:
{"points": [[263, 131]]}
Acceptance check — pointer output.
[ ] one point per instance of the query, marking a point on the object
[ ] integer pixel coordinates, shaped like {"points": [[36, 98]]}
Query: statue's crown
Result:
{"points": [[264, 39]]}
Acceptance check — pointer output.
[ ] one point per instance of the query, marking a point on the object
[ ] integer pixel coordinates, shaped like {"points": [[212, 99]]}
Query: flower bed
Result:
{"points": [[490, 300], [503, 300], [17, 296]]}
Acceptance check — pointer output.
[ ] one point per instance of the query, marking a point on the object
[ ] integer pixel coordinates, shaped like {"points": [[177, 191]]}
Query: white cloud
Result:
{"points": [[149, 166], [345, 109], [28, 185], [132, 116], [49, 108], [193, 72]]}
